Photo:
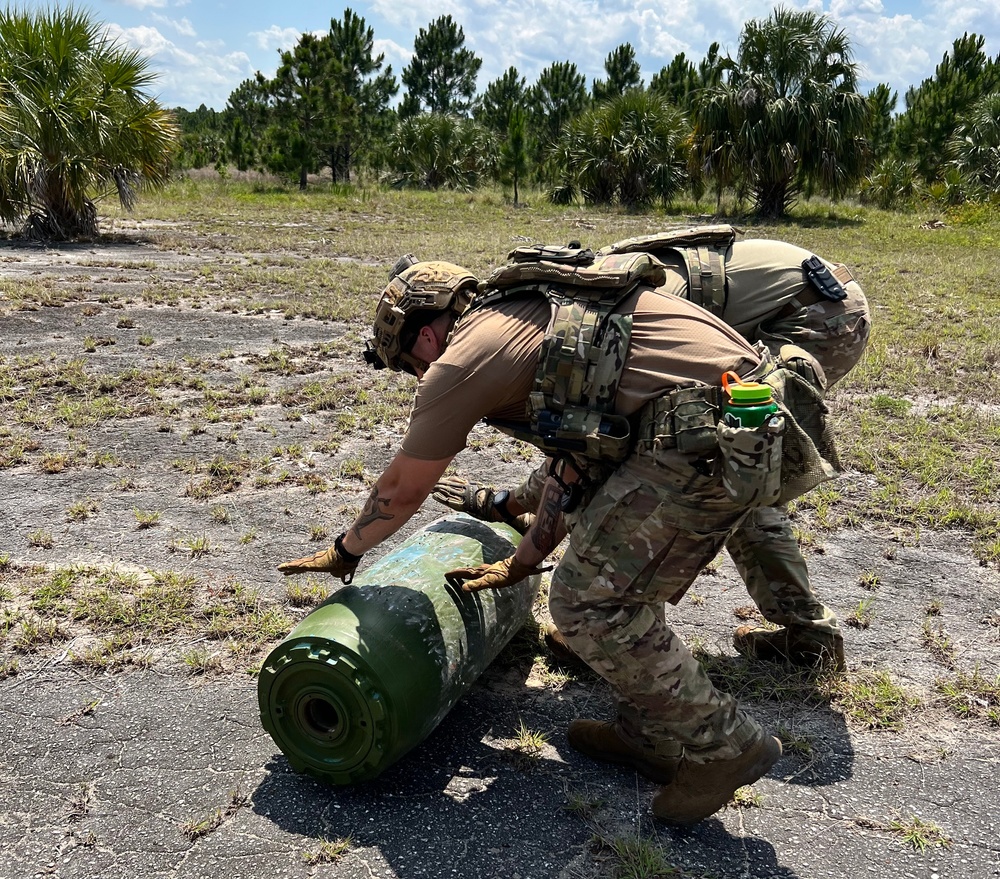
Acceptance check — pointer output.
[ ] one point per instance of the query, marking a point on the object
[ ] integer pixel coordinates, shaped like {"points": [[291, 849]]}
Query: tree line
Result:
{"points": [[781, 119]]}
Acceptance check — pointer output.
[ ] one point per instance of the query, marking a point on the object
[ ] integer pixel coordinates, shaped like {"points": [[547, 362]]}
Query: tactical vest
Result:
{"points": [[582, 355], [703, 249]]}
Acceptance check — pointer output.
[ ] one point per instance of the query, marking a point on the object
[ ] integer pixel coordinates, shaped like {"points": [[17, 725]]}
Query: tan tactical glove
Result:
{"points": [[499, 575], [480, 502], [335, 561]]}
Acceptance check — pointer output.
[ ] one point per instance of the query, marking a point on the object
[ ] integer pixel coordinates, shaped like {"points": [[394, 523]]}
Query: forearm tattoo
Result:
{"points": [[543, 535], [372, 512]]}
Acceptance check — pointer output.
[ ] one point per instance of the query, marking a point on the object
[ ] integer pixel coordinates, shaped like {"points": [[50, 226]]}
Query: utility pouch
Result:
{"points": [[751, 462], [694, 416], [576, 431], [684, 419], [823, 280], [597, 436], [570, 254]]}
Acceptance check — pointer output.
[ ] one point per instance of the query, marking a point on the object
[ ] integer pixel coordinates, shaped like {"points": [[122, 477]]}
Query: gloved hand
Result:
{"points": [[499, 575], [478, 501], [331, 561], [458, 494]]}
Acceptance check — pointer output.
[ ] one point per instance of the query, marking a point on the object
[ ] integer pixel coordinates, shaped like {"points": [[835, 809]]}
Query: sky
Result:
{"points": [[201, 50]]}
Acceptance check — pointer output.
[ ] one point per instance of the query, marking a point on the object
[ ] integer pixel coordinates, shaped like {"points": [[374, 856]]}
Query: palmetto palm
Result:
{"points": [[76, 125], [435, 150], [628, 150], [788, 115], [975, 146]]}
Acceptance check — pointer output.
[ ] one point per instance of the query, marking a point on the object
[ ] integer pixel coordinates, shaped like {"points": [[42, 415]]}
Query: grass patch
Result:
{"points": [[121, 619], [971, 695], [870, 698], [197, 828], [938, 643], [873, 699], [306, 594], [528, 742], [862, 615], [914, 831], [146, 518], [635, 857], [329, 851]]}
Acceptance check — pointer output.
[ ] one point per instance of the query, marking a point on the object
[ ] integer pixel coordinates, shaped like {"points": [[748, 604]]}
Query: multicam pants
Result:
{"points": [[835, 333], [639, 543], [767, 556]]}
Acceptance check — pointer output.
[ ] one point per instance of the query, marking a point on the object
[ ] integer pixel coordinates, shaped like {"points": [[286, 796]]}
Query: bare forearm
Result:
{"points": [[395, 497]]}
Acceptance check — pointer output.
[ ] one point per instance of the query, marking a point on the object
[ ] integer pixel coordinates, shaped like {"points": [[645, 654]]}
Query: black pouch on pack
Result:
{"points": [[823, 280], [573, 253]]}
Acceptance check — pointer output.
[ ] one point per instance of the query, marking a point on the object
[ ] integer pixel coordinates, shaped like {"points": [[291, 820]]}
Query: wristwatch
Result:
{"points": [[500, 499]]}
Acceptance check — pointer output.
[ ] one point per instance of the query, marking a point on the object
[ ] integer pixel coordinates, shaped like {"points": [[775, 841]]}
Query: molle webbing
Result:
{"points": [[703, 249], [583, 353], [706, 277]]}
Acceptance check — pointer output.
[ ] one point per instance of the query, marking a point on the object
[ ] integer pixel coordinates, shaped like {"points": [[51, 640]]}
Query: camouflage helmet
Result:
{"points": [[423, 287]]}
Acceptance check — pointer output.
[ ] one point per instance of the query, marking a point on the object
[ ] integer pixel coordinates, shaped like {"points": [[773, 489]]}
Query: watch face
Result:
{"points": [[500, 498]]}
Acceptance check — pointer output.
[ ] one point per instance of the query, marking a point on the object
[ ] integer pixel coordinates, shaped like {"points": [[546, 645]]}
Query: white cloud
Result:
{"points": [[183, 27], [416, 14], [147, 40], [277, 37], [396, 55], [147, 4], [840, 9], [188, 78]]}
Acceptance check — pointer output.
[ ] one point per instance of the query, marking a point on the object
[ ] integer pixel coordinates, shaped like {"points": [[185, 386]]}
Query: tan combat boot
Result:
{"points": [[604, 741], [823, 651], [701, 789]]}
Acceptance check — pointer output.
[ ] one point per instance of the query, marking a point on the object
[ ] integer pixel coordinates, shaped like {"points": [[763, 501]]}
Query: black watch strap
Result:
{"points": [[338, 544]]}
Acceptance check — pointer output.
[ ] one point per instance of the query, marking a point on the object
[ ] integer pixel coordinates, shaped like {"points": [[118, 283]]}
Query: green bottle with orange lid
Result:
{"points": [[746, 403]]}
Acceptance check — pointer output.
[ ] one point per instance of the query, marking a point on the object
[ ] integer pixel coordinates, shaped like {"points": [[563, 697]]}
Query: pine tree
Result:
{"points": [[514, 161], [499, 99], [935, 107], [881, 105], [441, 77], [365, 92], [558, 96], [623, 74], [306, 104]]}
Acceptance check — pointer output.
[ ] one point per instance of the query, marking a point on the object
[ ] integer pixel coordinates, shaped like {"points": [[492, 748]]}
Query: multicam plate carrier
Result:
{"points": [[570, 409]]}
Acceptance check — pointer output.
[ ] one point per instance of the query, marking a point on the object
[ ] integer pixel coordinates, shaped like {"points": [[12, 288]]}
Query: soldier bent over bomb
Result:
{"points": [[646, 480], [764, 291]]}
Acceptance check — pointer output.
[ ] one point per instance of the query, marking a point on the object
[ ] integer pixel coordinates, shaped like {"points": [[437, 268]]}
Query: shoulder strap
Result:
{"points": [[718, 235]]}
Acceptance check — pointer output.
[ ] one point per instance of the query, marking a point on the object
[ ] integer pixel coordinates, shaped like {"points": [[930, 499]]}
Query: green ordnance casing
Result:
{"points": [[374, 669]]}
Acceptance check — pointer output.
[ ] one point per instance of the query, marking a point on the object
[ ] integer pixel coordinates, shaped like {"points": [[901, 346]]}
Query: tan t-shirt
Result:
{"points": [[488, 368]]}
